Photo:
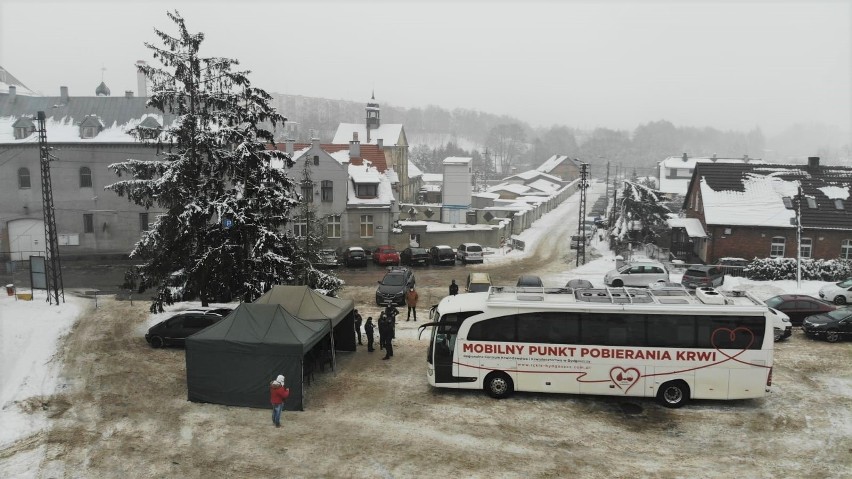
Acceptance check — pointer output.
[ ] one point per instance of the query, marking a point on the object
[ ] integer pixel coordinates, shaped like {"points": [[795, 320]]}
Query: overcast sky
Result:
{"points": [[617, 64]]}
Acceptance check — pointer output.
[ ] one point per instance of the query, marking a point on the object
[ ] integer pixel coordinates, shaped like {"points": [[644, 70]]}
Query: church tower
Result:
{"points": [[374, 120]]}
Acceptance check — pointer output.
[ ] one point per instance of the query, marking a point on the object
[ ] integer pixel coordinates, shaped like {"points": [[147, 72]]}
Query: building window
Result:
{"points": [[806, 247], [22, 132], [366, 226], [143, 221], [327, 190], [777, 248], [846, 249], [23, 178], [366, 190], [308, 191], [332, 227], [88, 132], [85, 177], [88, 223], [316, 160], [300, 227]]}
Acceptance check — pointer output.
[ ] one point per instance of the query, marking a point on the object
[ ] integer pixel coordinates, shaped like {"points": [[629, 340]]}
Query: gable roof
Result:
{"points": [[753, 195], [7, 80], [371, 153], [551, 163], [389, 133]]}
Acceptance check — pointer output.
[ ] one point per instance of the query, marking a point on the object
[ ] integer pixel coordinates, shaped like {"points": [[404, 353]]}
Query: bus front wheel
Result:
{"points": [[498, 385], [673, 394]]}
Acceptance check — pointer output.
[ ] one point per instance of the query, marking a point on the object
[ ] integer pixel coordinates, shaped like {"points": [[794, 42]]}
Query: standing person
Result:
{"points": [[387, 334], [358, 326], [454, 288], [278, 393], [381, 325], [368, 328], [411, 300]]}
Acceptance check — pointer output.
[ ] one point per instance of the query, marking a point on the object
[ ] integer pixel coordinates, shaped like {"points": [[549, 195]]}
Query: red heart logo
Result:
{"points": [[624, 378], [726, 338]]}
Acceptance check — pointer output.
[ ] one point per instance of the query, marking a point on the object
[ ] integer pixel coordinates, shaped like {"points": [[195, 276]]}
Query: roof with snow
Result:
{"points": [[389, 133], [371, 154], [117, 115], [7, 80], [551, 163], [433, 178], [545, 186], [368, 174], [764, 195], [675, 171], [693, 226], [533, 175], [457, 160], [509, 187], [413, 170]]}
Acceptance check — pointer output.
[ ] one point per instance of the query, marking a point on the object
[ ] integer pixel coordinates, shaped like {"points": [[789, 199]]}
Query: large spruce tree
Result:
{"points": [[225, 193]]}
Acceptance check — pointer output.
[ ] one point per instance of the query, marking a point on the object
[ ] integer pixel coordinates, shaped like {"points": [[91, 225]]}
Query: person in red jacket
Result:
{"points": [[278, 393]]}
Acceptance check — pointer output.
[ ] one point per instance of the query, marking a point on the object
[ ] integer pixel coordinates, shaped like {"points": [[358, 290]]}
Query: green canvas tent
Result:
{"points": [[305, 303], [233, 361]]}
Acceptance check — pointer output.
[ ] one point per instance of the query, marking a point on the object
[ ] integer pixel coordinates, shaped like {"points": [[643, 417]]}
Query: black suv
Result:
{"points": [[394, 285], [412, 256], [353, 256], [175, 330], [698, 276], [442, 254]]}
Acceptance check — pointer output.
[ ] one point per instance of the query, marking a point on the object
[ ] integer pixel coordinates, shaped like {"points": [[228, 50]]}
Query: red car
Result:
{"points": [[386, 255], [799, 306]]}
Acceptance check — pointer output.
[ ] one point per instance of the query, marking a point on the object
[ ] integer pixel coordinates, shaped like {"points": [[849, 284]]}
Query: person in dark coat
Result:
{"points": [[386, 334], [358, 326], [368, 328], [454, 288]]}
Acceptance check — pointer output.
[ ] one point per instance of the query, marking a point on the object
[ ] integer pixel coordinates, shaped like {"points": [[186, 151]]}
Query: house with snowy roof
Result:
{"points": [[86, 133], [350, 189], [567, 169], [675, 172], [747, 210], [390, 139]]}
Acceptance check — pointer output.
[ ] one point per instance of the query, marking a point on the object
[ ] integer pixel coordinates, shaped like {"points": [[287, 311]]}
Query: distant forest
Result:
{"points": [[506, 144]]}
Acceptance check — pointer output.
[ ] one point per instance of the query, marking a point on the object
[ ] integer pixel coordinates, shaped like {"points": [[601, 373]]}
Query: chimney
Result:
{"points": [[380, 142], [128, 94], [288, 146], [813, 162], [684, 157], [141, 80], [13, 91], [354, 146], [314, 142], [713, 159], [63, 95], [745, 158]]}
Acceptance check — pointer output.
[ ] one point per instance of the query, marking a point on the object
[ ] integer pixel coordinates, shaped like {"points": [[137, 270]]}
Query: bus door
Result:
{"points": [[444, 346]]}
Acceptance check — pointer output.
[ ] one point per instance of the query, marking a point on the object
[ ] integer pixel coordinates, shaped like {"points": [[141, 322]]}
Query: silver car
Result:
{"points": [[640, 274]]}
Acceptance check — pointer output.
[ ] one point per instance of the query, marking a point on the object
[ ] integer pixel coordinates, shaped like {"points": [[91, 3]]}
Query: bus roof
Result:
{"points": [[705, 300]]}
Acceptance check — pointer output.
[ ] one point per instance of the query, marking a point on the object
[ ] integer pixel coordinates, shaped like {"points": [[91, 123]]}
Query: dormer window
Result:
{"points": [[90, 127], [366, 190], [23, 128], [149, 129], [812, 204]]}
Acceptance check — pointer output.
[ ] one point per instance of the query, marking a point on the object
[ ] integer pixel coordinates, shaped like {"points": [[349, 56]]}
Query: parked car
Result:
{"points": [[530, 280], [579, 284], [353, 256], [576, 240], [837, 293], [832, 326], [392, 288], [328, 259], [412, 256], [386, 255], [639, 273], [477, 282], [799, 306], [175, 330], [701, 275], [442, 254], [469, 253]]}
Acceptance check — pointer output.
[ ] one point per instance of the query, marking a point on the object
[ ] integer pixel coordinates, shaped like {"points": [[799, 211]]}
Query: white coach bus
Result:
{"points": [[669, 343]]}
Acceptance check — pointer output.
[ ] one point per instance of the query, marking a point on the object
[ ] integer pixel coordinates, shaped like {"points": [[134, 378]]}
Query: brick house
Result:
{"points": [[749, 210]]}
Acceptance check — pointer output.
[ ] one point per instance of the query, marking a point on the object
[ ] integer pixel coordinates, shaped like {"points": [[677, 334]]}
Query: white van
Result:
{"points": [[469, 253]]}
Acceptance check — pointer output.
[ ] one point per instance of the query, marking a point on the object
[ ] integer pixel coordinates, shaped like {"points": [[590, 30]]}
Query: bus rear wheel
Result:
{"points": [[673, 394], [499, 385]]}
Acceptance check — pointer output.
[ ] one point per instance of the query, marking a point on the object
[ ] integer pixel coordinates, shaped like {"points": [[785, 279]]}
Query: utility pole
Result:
{"points": [[581, 236], [53, 268]]}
